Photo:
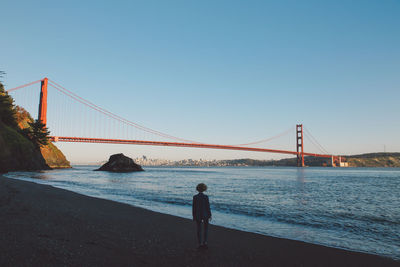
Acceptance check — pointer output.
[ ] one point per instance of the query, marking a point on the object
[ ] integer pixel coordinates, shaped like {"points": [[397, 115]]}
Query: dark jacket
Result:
{"points": [[201, 207]]}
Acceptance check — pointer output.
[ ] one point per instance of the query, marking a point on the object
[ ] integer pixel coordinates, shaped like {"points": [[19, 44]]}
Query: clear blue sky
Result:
{"points": [[218, 71]]}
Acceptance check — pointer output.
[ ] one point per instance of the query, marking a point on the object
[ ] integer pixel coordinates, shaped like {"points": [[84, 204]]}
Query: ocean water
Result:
{"points": [[352, 208]]}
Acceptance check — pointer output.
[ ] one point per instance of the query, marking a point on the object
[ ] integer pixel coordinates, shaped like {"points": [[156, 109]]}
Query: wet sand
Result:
{"points": [[46, 226]]}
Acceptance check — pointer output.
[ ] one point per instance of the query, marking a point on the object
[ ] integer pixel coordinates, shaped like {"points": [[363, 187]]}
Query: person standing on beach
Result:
{"points": [[201, 214]]}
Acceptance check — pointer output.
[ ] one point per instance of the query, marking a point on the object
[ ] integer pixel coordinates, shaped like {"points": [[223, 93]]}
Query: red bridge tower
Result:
{"points": [[300, 147], [43, 102]]}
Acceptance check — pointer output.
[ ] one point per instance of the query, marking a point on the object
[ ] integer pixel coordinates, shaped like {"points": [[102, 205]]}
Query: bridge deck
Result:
{"points": [[178, 144]]}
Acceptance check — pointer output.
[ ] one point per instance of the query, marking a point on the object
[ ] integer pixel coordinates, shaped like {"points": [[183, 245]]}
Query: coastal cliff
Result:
{"points": [[52, 155], [17, 152]]}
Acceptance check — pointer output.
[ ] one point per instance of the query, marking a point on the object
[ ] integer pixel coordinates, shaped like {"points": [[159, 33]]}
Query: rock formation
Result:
{"points": [[120, 163], [54, 157]]}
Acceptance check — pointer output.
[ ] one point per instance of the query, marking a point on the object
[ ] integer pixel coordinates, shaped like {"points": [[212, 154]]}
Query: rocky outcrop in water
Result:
{"points": [[120, 163]]}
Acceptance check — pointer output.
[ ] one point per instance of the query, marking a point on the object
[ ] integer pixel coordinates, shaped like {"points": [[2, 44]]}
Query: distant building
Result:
{"points": [[343, 164]]}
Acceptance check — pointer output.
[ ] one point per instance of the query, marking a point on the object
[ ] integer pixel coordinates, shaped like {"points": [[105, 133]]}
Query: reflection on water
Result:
{"points": [[301, 187], [301, 175], [352, 208]]}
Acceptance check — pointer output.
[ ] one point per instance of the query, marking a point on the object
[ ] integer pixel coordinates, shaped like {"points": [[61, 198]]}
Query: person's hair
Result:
{"points": [[201, 187]]}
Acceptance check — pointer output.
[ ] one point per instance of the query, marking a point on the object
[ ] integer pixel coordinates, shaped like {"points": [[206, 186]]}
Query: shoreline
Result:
{"points": [[44, 225]]}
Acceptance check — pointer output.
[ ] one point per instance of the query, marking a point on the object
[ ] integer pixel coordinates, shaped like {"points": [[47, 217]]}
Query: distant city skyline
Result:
{"points": [[223, 72]]}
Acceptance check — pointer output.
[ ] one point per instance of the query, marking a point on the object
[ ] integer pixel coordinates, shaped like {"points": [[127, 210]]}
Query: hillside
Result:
{"points": [[374, 160], [363, 160], [53, 156], [289, 162], [18, 153]]}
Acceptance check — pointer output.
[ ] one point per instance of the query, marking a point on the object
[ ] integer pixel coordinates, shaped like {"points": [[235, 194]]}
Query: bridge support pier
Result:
{"points": [[43, 102], [337, 161], [299, 146]]}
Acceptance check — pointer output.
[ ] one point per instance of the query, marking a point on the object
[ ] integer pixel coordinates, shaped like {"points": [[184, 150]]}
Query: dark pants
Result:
{"points": [[199, 231]]}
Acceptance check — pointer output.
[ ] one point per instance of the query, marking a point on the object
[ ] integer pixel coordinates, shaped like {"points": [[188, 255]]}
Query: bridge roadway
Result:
{"points": [[178, 144]]}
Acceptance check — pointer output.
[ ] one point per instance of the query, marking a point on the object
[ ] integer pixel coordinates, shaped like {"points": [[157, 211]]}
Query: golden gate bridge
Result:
{"points": [[104, 126]]}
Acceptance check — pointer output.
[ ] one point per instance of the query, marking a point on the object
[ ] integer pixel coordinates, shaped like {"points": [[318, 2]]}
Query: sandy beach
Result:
{"points": [[46, 226]]}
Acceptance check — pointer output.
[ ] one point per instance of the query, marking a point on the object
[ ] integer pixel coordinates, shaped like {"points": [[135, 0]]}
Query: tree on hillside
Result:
{"points": [[22, 116], [7, 108], [37, 132]]}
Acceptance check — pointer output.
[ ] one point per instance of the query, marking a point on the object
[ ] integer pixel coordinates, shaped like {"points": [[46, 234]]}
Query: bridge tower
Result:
{"points": [[299, 146], [43, 102]]}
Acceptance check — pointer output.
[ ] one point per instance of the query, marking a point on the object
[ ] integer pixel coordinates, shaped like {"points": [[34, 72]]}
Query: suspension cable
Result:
{"points": [[314, 144], [317, 143], [112, 115], [268, 139], [22, 86]]}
